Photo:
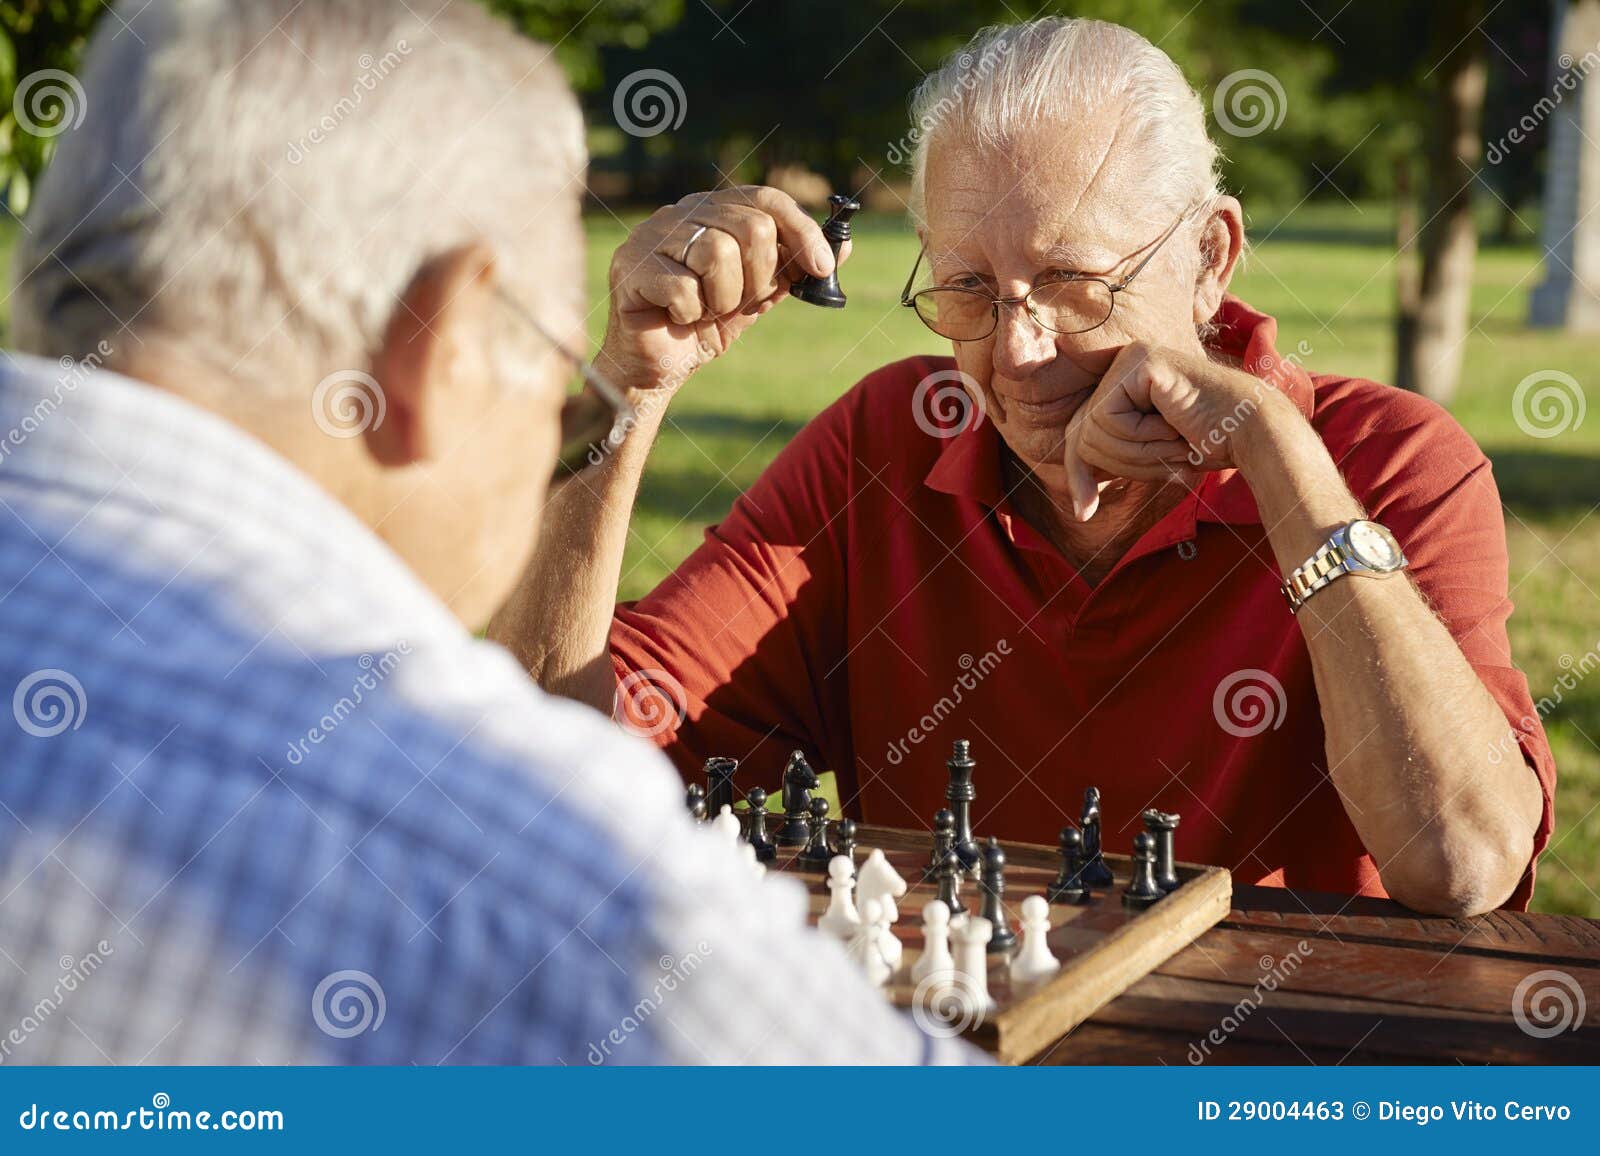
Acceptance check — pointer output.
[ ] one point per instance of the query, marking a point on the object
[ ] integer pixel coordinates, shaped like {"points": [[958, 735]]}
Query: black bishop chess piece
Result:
{"points": [[816, 853], [1068, 887], [1162, 826], [1095, 873], [1143, 890], [844, 842], [994, 891], [950, 873], [756, 831], [719, 783], [959, 794], [944, 842], [825, 291], [695, 800], [799, 780]]}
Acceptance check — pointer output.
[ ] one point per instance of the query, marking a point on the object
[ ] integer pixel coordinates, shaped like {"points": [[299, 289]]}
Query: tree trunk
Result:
{"points": [[1432, 341]]}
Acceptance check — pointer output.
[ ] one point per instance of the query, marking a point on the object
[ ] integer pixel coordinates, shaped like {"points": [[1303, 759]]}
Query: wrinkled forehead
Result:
{"points": [[1055, 194]]}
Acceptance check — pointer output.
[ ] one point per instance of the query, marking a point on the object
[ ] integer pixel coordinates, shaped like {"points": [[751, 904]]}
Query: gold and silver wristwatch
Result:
{"points": [[1354, 548]]}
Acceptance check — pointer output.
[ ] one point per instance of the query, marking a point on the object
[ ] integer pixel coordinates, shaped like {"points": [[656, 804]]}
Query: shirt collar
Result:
{"points": [[968, 464]]}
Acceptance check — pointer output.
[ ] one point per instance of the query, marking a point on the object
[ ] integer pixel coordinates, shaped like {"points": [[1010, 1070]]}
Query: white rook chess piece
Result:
{"points": [[877, 880], [726, 824], [971, 938], [1033, 961], [841, 918], [935, 958], [865, 945]]}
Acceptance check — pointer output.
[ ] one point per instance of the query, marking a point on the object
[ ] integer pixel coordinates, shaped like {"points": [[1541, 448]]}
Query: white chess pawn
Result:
{"points": [[865, 945], [878, 880], [841, 918], [758, 869], [935, 958], [1033, 961], [727, 825], [971, 938], [888, 943]]}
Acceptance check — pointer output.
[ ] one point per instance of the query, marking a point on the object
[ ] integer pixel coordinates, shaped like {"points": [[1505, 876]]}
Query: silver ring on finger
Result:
{"points": [[683, 258]]}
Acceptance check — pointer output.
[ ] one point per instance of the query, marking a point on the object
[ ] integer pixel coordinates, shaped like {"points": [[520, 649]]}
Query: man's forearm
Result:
{"points": [[558, 621], [1410, 727]]}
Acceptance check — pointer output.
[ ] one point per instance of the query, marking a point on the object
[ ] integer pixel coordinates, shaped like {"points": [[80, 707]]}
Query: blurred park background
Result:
{"points": [[1418, 180]]}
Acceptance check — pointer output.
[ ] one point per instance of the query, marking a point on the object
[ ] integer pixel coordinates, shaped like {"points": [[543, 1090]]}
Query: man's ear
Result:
{"points": [[438, 318], [1221, 245]]}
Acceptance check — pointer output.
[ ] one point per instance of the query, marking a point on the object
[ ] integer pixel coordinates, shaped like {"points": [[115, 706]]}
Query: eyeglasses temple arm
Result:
{"points": [[592, 377], [905, 294]]}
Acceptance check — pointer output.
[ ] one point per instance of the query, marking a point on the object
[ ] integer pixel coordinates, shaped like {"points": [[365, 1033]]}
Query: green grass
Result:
{"points": [[1327, 275]]}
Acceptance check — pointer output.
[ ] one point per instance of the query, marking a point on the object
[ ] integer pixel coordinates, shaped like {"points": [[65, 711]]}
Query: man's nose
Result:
{"points": [[1021, 345]]}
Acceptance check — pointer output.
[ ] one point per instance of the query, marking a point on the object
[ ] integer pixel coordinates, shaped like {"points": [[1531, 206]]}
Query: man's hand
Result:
{"points": [[671, 311], [1160, 414]]}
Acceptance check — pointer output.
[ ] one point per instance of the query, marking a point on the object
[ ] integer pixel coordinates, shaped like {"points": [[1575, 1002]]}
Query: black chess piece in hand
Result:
{"points": [[825, 291]]}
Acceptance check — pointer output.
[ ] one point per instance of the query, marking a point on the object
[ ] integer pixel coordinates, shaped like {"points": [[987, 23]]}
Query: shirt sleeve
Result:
{"points": [[739, 651]]}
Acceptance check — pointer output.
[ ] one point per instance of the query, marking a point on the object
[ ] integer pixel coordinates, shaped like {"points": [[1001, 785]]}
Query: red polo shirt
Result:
{"points": [[875, 596]]}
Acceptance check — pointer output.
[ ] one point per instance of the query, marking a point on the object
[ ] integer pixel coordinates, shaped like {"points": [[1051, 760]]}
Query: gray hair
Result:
{"points": [[1060, 69], [254, 182]]}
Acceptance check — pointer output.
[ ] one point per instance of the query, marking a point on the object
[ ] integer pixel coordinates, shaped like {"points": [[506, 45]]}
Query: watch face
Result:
{"points": [[1374, 547]]}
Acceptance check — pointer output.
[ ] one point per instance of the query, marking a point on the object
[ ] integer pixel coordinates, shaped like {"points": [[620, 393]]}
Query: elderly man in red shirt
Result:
{"points": [[1117, 540]]}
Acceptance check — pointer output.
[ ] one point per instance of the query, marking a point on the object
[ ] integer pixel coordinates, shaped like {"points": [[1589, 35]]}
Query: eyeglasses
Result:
{"points": [[595, 417], [1072, 303]]}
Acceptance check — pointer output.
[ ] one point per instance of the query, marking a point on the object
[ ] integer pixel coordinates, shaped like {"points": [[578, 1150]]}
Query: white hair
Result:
{"points": [[1058, 70], [254, 182]]}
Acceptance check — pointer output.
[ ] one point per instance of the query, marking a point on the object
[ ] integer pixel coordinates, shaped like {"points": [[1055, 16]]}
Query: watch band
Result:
{"points": [[1314, 573]]}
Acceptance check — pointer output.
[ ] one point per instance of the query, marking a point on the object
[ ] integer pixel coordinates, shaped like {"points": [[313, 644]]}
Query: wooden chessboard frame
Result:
{"points": [[1027, 1024]]}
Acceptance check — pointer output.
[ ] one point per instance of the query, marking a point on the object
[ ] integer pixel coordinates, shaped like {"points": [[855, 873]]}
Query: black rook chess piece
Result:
{"points": [[1068, 886], [950, 872], [799, 780], [1095, 873], [719, 783], [845, 840], [1143, 890], [944, 841], [816, 853], [994, 890], [825, 291], [756, 835], [695, 800], [960, 794], [1162, 825]]}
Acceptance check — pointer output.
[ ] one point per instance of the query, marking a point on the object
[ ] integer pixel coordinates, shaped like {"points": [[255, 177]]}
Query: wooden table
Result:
{"points": [[1373, 983]]}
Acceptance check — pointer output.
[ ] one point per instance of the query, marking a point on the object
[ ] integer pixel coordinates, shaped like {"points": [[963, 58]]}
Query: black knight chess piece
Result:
{"points": [[695, 800], [825, 291], [799, 780], [994, 891], [959, 794], [1162, 826], [816, 853], [1143, 890], [719, 783], [1068, 885], [1095, 873], [944, 842], [756, 832]]}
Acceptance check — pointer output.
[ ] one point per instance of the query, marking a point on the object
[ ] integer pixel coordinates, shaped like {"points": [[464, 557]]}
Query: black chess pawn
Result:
{"points": [[695, 800], [994, 890], [1143, 890], [944, 842], [950, 873], [825, 291], [959, 794], [1068, 885], [799, 780], [816, 853], [845, 839], [719, 783], [1162, 825], [1095, 873], [756, 831]]}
